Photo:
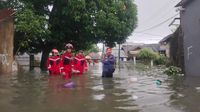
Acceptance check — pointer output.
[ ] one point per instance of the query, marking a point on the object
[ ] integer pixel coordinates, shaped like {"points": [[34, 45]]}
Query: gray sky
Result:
{"points": [[150, 14]]}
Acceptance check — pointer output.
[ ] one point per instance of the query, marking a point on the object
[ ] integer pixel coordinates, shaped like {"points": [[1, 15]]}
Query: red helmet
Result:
{"points": [[54, 51], [69, 46]]}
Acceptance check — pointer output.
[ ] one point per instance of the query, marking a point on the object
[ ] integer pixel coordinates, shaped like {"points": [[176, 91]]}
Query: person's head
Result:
{"points": [[81, 52], [54, 52], [69, 47], [108, 50]]}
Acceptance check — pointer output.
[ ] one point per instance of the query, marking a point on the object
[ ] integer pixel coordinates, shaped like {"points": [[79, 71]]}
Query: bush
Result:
{"points": [[161, 60], [147, 54], [173, 71]]}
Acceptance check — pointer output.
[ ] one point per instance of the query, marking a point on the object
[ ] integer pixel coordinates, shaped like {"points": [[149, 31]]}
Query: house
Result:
{"points": [[134, 49], [131, 49], [190, 25], [115, 51], [119, 53], [154, 47], [176, 49], [6, 40], [172, 47], [165, 45]]}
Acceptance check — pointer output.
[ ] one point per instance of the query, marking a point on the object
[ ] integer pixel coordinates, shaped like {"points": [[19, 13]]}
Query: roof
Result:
{"points": [[122, 53], [131, 47], [184, 3], [166, 39], [5, 13], [154, 47]]}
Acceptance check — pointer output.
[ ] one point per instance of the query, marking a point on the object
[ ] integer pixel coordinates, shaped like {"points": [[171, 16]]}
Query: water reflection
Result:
{"points": [[186, 94], [37, 92], [29, 91]]}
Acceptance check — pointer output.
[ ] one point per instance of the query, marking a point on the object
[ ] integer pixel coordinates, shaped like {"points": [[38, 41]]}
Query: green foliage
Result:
{"points": [[161, 60], [147, 54], [32, 28], [94, 48], [173, 71], [9, 4], [2, 4], [81, 22], [115, 20], [30, 23]]}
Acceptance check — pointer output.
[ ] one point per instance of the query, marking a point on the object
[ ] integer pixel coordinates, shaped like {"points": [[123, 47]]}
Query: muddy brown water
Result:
{"points": [[35, 91]]}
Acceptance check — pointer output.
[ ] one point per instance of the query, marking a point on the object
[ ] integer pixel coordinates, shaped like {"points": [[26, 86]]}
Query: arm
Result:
{"points": [[105, 60], [85, 65], [48, 66], [111, 59]]}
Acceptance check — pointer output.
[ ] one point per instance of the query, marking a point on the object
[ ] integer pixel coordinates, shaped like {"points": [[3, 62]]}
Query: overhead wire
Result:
{"points": [[160, 10], [158, 15], [162, 15], [157, 25], [148, 34], [167, 4]]}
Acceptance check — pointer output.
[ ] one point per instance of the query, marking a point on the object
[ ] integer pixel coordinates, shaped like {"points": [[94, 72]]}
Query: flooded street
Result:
{"points": [[133, 89]]}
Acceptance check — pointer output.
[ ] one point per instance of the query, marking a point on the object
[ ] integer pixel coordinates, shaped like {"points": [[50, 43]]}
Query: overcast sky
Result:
{"points": [[151, 13]]}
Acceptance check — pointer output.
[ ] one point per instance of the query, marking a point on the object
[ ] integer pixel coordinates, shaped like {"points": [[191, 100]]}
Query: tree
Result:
{"points": [[81, 22], [29, 34], [116, 21]]}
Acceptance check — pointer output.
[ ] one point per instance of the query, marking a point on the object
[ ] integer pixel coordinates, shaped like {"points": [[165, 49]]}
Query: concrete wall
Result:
{"points": [[6, 45], [166, 47], [190, 22]]}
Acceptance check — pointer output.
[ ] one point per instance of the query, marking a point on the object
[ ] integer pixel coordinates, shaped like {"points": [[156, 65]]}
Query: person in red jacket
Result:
{"points": [[67, 62], [80, 63], [54, 63]]}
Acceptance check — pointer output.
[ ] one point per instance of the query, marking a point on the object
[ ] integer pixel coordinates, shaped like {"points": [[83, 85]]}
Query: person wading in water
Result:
{"points": [[108, 63]]}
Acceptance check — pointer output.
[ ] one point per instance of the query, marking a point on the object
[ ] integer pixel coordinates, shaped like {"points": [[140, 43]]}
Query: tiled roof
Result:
{"points": [[184, 3], [166, 39], [131, 47], [154, 47]]}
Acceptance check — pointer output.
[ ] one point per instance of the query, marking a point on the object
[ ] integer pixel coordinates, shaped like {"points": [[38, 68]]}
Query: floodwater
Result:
{"points": [[133, 89]]}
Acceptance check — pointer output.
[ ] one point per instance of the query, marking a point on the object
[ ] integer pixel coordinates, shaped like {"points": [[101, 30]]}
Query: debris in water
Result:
{"points": [[135, 97], [69, 84], [158, 82], [133, 79]]}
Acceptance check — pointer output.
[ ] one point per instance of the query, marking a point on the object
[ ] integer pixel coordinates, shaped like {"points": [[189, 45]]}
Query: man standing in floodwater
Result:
{"points": [[108, 63]]}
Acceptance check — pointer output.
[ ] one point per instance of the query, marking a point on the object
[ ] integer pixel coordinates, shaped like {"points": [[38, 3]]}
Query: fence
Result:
{"points": [[27, 61]]}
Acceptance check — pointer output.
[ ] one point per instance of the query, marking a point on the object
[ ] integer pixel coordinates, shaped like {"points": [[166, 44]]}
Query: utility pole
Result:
{"points": [[103, 49], [119, 56]]}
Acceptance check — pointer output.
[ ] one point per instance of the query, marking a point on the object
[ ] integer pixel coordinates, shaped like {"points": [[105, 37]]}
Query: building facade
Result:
{"points": [[190, 24]]}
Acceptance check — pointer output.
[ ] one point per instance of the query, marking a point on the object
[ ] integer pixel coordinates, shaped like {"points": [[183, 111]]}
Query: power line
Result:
{"points": [[159, 14], [157, 25], [164, 6], [149, 34]]}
